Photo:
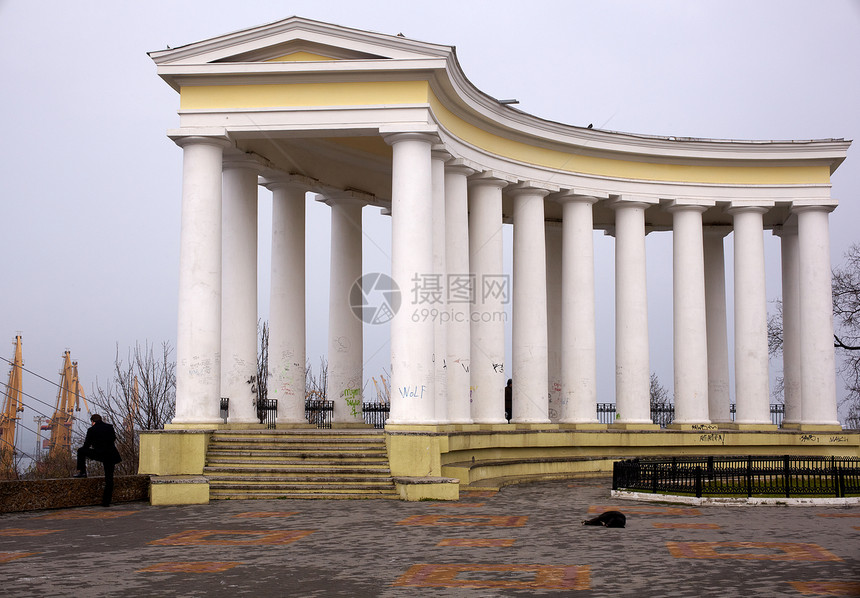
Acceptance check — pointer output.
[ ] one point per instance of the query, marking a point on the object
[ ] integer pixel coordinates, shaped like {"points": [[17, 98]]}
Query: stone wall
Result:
{"points": [[32, 495]]}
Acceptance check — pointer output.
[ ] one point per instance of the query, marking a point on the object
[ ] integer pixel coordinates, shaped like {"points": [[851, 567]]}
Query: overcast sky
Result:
{"points": [[90, 185]]}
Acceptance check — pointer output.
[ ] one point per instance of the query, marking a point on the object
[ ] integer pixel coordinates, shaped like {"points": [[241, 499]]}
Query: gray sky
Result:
{"points": [[90, 184]]}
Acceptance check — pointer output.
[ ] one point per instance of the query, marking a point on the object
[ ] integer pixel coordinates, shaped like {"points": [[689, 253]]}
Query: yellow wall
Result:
{"points": [[383, 93]]}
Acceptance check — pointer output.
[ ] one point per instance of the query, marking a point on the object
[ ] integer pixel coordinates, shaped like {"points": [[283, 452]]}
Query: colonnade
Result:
{"points": [[447, 243]]}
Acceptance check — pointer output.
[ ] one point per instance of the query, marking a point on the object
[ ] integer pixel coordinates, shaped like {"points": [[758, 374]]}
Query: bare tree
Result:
{"points": [[263, 361], [659, 394], [316, 386], [141, 396]]}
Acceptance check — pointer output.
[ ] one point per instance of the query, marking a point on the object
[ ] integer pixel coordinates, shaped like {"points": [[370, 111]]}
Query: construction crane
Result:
{"points": [[69, 397], [12, 406]]}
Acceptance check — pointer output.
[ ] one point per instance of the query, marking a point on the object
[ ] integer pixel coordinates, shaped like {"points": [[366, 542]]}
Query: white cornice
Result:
{"points": [[407, 59]]}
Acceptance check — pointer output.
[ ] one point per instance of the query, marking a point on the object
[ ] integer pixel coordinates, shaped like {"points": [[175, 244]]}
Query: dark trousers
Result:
{"points": [[88, 453]]}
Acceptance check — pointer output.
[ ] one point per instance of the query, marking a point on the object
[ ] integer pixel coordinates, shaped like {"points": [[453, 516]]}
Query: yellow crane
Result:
{"points": [[69, 396], [12, 406]]}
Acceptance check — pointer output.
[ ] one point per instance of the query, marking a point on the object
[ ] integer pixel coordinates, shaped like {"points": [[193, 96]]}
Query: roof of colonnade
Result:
{"points": [[338, 89]]}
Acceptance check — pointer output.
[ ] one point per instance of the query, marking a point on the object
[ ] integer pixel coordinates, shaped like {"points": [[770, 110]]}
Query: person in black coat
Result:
{"points": [[99, 446]]}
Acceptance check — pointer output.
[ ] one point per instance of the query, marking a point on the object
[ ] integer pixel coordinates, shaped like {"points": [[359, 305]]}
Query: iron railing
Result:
{"points": [[225, 408], [375, 414], [663, 415], [267, 412], [738, 476], [319, 412]]}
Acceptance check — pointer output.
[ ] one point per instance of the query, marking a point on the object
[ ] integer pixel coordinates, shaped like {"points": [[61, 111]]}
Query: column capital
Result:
{"points": [[719, 230], [489, 178], [438, 152], [214, 136], [345, 197], [459, 166], [530, 188], [757, 208], [798, 207], [425, 136], [274, 179], [696, 205], [242, 160], [577, 196], [618, 202]]}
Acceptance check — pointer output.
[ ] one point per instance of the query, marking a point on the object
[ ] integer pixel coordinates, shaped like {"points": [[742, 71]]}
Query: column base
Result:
{"points": [[633, 426], [696, 427], [813, 427], [581, 426], [351, 426], [288, 425], [215, 425], [751, 427]]}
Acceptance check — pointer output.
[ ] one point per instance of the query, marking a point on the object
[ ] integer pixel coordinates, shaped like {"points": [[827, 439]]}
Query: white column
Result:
{"points": [[752, 395], [287, 306], [239, 288], [578, 336], [491, 292], [688, 314], [528, 329], [412, 342], [553, 317], [817, 359], [460, 290], [345, 351], [717, 324], [791, 365], [632, 374], [440, 300], [198, 339]]}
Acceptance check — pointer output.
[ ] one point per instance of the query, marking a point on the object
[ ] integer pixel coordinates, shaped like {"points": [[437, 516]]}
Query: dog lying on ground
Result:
{"points": [[607, 519]]}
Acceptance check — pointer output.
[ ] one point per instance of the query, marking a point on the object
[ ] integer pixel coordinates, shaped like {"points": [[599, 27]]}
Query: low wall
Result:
{"points": [[59, 493]]}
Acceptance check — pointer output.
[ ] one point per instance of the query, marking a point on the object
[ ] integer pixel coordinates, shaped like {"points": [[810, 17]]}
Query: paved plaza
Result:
{"points": [[521, 540]]}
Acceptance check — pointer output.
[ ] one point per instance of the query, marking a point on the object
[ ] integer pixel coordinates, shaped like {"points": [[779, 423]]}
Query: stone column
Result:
{"points": [[752, 394], [715, 314], [412, 342], [688, 311], [790, 324], [578, 336], [287, 335], [632, 374], [553, 234], [817, 359], [345, 350], [198, 339], [491, 293], [239, 288], [460, 291], [439, 306], [529, 332]]}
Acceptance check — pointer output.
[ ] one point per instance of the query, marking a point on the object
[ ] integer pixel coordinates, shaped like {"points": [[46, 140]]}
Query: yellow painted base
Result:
{"points": [[442, 490], [173, 452], [751, 427], [633, 427], [697, 427], [815, 427], [179, 490]]}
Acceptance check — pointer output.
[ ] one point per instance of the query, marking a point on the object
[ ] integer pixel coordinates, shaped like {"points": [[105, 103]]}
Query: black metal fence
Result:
{"points": [[267, 412], [319, 412], [375, 414], [741, 476], [663, 415], [225, 408]]}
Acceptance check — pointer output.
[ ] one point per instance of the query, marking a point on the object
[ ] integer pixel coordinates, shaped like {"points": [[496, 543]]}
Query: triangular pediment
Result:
{"points": [[298, 40]]}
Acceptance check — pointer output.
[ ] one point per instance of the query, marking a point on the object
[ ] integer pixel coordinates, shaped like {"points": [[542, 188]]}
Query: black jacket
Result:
{"points": [[101, 438]]}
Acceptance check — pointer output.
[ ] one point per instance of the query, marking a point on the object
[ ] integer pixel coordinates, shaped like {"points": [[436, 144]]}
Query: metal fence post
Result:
{"points": [[698, 481], [786, 474], [749, 477]]}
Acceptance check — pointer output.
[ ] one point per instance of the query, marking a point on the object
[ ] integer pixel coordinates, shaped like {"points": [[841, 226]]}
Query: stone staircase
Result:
{"points": [[268, 464]]}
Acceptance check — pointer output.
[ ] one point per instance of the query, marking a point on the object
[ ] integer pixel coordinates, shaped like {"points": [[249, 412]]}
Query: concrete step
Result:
{"points": [[266, 486], [317, 460], [249, 495], [301, 453]]}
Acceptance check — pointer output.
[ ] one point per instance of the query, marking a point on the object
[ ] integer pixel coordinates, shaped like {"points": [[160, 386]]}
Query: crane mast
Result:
{"points": [[12, 406], [69, 397]]}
